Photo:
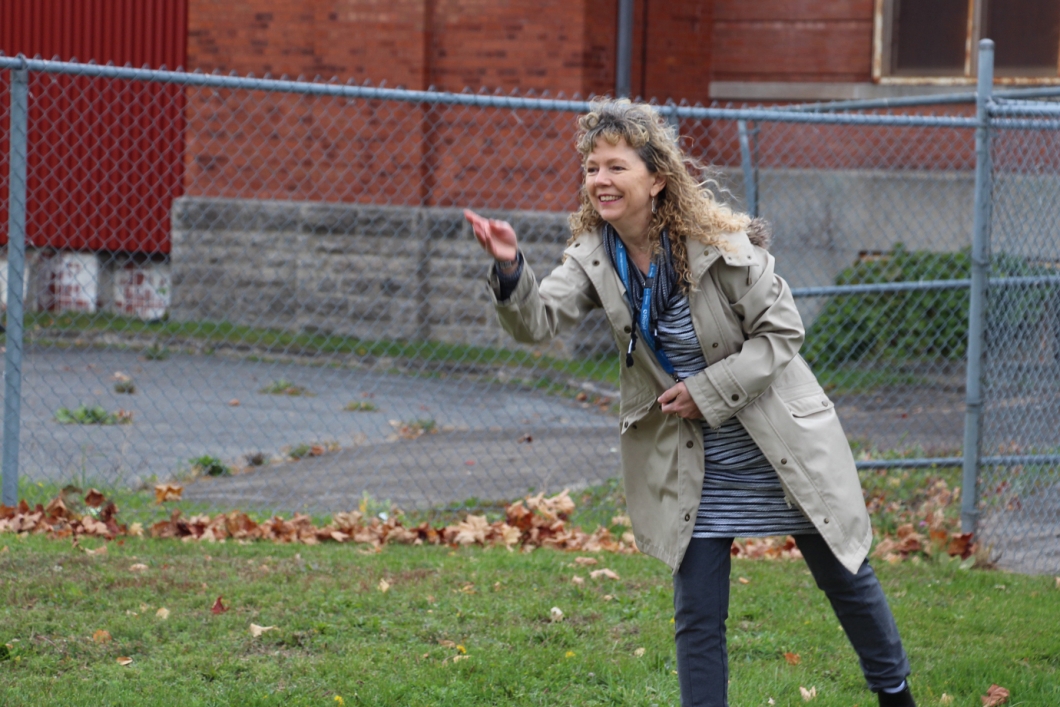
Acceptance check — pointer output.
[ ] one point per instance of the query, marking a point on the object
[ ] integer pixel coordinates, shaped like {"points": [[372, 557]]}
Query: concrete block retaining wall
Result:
{"points": [[373, 272]]}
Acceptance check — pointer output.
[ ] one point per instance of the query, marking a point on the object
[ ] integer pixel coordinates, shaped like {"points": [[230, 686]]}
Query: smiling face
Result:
{"points": [[620, 187]]}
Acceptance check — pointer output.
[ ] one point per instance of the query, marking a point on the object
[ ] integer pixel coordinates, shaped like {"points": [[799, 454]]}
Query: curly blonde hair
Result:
{"points": [[686, 207]]}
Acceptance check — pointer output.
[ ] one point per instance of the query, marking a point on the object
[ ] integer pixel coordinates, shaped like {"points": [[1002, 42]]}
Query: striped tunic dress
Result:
{"points": [[741, 494]]}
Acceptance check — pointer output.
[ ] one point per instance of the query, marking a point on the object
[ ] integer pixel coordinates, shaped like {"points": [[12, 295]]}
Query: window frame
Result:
{"points": [[882, 58]]}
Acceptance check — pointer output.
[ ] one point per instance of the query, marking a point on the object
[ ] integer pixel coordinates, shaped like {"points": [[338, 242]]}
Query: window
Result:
{"points": [[936, 41]]}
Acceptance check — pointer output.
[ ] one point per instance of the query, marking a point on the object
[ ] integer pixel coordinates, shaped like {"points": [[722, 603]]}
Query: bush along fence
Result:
{"points": [[274, 276]]}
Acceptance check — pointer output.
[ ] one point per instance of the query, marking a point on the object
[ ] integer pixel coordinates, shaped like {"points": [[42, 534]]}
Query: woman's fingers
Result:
{"points": [[496, 237], [678, 401], [480, 227]]}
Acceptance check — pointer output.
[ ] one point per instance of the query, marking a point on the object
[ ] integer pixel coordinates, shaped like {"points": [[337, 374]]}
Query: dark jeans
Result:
{"points": [[701, 605]]}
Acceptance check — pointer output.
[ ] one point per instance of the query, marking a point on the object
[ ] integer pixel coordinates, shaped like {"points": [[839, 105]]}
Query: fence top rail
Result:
{"points": [[1024, 108], [964, 97], [348, 90]]}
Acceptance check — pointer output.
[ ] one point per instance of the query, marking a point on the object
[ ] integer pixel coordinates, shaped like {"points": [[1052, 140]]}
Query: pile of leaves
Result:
{"points": [[931, 525], [535, 521], [66, 516]]}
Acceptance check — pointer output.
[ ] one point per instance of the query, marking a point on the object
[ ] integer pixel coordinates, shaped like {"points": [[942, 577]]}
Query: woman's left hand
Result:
{"points": [[678, 401]]}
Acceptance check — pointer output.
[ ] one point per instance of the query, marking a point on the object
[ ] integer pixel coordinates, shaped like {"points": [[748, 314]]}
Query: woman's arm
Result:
{"points": [[529, 311], [540, 311]]}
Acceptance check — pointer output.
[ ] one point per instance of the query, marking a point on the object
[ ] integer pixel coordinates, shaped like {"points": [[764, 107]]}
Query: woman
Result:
{"points": [[725, 431]]}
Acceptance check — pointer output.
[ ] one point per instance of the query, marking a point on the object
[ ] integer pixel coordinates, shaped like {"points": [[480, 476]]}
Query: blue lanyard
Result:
{"points": [[644, 320]]}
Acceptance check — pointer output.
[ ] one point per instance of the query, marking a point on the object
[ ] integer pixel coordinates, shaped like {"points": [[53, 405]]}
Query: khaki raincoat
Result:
{"points": [[750, 331]]}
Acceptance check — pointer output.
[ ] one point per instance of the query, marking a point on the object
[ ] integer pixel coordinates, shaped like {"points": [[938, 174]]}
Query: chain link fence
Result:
{"points": [[266, 289]]}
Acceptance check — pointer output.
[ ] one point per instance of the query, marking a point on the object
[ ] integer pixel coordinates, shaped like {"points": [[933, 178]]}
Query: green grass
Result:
{"points": [[95, 415], [209, 465], [338, 634]]}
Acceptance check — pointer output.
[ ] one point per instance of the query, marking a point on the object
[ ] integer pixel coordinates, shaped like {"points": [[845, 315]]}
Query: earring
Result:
{"points": [[653, 209]]}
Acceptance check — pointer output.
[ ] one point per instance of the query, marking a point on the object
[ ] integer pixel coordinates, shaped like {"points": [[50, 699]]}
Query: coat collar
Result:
{"points": [[735, 249]]}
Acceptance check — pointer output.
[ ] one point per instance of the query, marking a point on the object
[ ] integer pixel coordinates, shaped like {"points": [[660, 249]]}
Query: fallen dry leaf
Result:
{"points": [[101, 550], [101, 636], [124, 660], [995, 695], [555, 614], [138, 567], [639, 652], [946, 699], [792, 658], [585, 561], [807, 695], [162, 613], [94, 498], [1057, 579], [577, 580], [256, 630], [604, 573], [743, 580], [384, 586], [218, 607], [168, 492]]}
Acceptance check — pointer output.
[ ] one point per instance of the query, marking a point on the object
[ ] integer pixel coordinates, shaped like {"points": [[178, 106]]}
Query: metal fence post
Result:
{"points": [[16, 265], [624, 50], [977, 300], [750, 181]]}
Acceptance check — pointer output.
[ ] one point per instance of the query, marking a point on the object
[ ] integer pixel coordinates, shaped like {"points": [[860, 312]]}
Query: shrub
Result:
{"points": [[919, 325]]}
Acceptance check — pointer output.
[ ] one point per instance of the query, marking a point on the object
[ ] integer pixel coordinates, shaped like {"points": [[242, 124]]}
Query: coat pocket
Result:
{"points": [[639, 412], [807, 405]]}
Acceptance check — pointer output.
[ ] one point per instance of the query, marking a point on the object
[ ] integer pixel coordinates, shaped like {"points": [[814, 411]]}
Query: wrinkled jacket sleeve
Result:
{"points": [[773, 333], [539, 311]]}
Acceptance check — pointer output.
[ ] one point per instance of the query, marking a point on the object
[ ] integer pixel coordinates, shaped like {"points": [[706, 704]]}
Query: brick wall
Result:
{"points": [[350, 39]]}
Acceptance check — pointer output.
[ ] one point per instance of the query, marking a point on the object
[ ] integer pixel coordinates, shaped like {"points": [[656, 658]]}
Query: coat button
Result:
{"points": [[735, 397], [687, 517], [783, 461], [689, 444], [626, 329], [825, 520], [577, 244], [595, 263], [824, 402], [714, 345]]}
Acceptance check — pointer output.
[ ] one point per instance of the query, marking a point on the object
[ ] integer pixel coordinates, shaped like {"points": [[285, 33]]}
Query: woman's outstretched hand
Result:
{"points": [[678, 401], [496, 237]]}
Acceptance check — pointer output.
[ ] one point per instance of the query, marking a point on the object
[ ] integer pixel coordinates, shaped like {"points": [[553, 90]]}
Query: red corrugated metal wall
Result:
{"points": [[105, 157]]}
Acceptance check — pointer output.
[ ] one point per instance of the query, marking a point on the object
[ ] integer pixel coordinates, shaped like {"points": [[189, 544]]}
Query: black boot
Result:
{"points": [[897, 699]]}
